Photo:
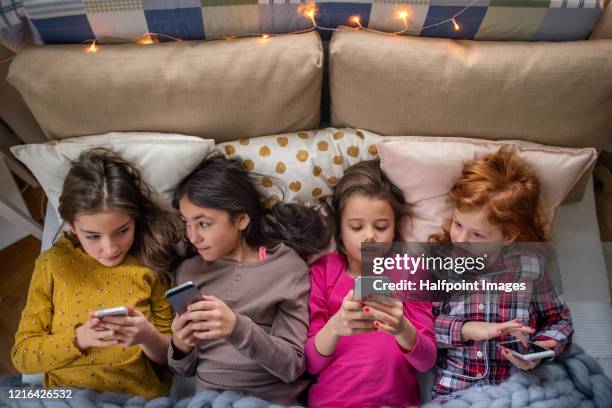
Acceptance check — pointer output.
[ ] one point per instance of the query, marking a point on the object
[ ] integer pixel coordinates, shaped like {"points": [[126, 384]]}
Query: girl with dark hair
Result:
{"points": [[365, 354], [248, 331], [118, 253]]}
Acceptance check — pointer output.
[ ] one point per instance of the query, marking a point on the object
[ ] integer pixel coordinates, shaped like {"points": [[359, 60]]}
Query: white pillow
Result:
{"points": [[305, 165], [164, 159]]}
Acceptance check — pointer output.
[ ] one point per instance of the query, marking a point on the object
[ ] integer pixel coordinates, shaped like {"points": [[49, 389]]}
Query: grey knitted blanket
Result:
{"points": [[574, 380]]}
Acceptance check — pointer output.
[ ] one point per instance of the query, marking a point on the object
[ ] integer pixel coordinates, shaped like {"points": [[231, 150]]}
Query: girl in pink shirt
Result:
{"points": [[365, 353]]}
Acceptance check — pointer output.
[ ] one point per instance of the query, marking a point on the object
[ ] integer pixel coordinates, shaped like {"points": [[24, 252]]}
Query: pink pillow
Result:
{"points": [[425, 168]]}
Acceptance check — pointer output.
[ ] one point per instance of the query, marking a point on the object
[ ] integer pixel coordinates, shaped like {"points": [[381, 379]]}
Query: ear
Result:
{"points": [[242, 221], [71, 227]]}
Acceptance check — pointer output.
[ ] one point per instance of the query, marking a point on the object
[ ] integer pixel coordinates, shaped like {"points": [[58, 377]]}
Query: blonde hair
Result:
{"points": [[506, 187]]}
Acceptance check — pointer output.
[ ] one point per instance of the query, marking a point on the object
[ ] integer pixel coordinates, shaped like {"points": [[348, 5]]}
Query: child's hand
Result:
{"points": [[210, 318], [478, 331], [182, 334], [390, 318], [90, 335], [350, 319], [524, 364], [129, 330]]}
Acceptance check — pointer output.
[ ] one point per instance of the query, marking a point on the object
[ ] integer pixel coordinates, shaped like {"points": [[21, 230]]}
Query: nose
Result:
{"points": [[462, 236], [369, 235], [109, 248], [192, 234]]}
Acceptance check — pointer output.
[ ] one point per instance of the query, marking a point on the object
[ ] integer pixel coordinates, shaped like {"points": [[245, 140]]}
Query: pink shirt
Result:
{"points": [[369, 369]]}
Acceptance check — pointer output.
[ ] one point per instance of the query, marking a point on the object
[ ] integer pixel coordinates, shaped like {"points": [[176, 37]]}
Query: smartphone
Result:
{"points": [[531, 352], [182, 296], [365, 288], [113, 311]]}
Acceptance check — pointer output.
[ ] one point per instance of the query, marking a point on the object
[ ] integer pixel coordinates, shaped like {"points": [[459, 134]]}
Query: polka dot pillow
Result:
{"points": [[302, 166]]}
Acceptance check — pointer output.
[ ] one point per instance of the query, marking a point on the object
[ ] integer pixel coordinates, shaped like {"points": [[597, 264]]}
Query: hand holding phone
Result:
{"points": [[527, 353]]}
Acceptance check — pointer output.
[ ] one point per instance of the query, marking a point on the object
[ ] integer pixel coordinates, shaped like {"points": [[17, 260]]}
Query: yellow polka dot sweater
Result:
{"points": [[66, 284]]}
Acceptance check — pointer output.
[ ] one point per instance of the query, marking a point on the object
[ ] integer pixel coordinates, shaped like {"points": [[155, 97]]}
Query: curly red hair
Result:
{"points": [[508, 188]]}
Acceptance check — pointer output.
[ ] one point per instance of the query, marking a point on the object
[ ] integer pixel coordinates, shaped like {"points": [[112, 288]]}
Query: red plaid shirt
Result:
{"points": [[465, 364]]}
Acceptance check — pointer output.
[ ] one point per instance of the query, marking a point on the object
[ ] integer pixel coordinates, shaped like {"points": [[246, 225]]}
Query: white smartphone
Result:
{"points": [[365, 288], [182, 296], [531, 352], [113, 311]]}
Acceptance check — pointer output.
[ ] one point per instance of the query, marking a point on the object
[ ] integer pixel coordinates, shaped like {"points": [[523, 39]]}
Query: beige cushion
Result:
{"points": [[223, 89], [302, 166], [603, 29], [551, 93], [425, 169], [163, 158]]}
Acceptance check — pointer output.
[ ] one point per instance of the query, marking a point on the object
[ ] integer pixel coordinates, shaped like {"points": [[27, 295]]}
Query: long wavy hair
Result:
{"points": [[224, 184], [507, 188], [101, 180]]}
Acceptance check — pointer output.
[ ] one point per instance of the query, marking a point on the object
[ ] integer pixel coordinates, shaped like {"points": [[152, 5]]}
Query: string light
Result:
{"points": [[92, 48], [455, 25], [308, 11], [146, 39]]}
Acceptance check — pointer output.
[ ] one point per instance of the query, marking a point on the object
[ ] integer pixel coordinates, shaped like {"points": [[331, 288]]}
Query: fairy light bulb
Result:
{"points": [[92, 48], [356, 20], [455, 25]]}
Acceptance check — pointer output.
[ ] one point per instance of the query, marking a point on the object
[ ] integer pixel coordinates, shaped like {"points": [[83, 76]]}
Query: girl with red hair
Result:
{"points": [[496, 203]]}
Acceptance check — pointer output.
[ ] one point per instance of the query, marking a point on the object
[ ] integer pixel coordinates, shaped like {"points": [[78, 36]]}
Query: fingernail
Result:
{"points": [[367, 309], [376, 323]]}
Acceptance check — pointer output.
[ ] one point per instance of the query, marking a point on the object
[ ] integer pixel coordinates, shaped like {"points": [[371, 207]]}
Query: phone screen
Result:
{"points": [[520, 348]]}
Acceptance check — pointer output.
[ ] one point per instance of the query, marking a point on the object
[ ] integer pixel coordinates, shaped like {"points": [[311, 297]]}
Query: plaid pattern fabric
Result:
{"points": [[480, 363], [75, 21], [12, 23]]}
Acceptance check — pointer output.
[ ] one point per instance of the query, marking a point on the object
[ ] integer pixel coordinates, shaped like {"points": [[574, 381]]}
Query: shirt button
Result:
{"points": [[481, 306], [237, 278], [479, 354]]}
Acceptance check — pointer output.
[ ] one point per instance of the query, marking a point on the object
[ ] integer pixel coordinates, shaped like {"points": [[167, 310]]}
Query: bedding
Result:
{"points": [[222, 90], [163, 158], [425, 168], [75, 21]]}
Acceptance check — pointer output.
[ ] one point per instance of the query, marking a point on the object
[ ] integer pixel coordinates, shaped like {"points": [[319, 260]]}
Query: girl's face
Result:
{"points": [[106, 236], [365, 219], [474, 226], [211, 231]]}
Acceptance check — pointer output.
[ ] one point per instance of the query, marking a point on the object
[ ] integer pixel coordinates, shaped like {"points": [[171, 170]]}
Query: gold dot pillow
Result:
{"points": [[305, 165]]}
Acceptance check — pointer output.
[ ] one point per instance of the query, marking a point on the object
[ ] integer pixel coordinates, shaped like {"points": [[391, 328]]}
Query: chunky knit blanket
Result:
{"points": [[574, 380]]}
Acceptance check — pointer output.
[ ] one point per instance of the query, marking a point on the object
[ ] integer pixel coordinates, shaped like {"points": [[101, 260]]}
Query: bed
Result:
{"points": [[188, 77]]}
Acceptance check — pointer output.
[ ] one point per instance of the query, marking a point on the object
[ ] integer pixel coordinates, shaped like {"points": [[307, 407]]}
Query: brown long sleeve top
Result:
{"points": [[264, 355]]}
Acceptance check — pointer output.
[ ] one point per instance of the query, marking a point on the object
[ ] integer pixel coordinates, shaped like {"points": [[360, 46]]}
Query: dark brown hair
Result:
{"points": [[224, 184], [507, 188], [101, 180], [367, 179]]}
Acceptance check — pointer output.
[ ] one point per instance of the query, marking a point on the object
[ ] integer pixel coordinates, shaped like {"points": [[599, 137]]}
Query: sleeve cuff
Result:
{"points": [[178, 356], [67, 342], [241, 333], [455, 332], [315, 361]]}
